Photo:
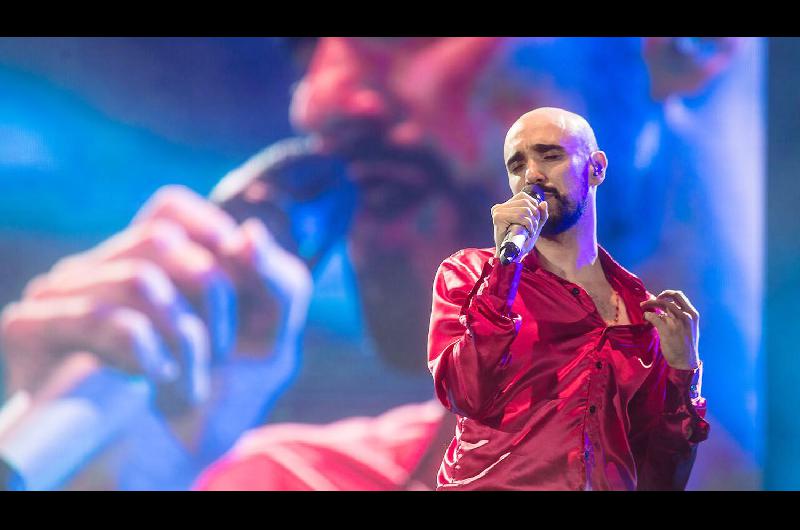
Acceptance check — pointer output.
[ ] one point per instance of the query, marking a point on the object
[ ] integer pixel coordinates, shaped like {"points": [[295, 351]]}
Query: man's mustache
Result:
{"points": [[543, 189]]}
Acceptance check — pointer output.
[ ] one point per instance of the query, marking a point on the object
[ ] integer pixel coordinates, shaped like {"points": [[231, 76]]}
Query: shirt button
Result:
{"points": [[586, 455], [599, 365], [576, 291], [592, 409]]}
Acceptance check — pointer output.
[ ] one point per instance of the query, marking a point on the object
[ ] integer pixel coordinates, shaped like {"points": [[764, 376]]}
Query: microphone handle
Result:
{"points": [[517, 235], [513, 243]]}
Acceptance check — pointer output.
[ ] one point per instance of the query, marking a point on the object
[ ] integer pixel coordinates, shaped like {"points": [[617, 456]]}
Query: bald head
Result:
{"points": [[555, 123], [556, 150]]}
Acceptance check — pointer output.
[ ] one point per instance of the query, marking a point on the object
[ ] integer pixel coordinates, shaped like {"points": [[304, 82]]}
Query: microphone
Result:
{"points": [[45, 442], [517, 235]]}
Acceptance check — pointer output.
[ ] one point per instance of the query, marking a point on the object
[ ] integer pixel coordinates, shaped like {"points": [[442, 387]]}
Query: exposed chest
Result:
{"points": [[567, 329], [609, 304]]}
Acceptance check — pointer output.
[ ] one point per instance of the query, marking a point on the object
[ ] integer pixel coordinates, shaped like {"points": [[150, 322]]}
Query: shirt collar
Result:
{"points": [[611, 268]]}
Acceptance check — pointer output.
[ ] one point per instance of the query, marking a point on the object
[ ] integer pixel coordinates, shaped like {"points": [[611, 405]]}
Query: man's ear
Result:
{"points": [[598, 165]]}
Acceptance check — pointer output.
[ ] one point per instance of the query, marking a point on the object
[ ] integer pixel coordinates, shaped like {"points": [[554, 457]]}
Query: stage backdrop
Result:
{"points": [[90, 128]]}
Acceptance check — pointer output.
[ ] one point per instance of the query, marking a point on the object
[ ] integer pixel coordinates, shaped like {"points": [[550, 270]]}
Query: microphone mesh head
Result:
{"points": [[535, 191]]}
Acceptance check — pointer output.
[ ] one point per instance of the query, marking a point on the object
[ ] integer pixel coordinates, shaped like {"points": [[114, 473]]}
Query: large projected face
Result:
{"points": [[455, 95], [422, 120], [411, 115]]}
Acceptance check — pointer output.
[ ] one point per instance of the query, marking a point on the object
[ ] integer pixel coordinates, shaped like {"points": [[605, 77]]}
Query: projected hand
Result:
{"points": [[684, 66], [181, 289], [677, 322]]}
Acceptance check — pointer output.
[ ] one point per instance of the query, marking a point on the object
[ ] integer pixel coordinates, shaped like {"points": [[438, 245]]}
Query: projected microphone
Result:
{"points": [[306, 200], [517, 235]]}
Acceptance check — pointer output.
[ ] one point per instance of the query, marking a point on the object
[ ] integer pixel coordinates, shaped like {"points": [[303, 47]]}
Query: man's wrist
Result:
{"points": [[687, 366], [697, 381], [690, 379]]}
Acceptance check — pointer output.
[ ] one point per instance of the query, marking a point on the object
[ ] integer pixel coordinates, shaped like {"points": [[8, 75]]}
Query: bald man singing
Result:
{"points": [[564, 371]]}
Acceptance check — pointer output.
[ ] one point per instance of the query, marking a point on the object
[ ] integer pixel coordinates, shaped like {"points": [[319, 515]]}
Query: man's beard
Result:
{"points": [[568, 213], [396, 307]]}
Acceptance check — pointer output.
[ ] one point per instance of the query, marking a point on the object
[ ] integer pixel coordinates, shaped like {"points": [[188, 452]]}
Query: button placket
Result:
{"points": [[594, 396], [590, 432], [586, 302], [575, 291]]}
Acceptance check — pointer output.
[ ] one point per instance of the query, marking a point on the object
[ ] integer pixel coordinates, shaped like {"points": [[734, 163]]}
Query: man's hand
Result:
{"points": [[677, 322], [521, 209], [684, 66], [181, 286]]}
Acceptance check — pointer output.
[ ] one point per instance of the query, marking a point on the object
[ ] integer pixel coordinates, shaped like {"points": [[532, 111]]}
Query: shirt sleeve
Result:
{"points": [[666, 425], [471, 330]]}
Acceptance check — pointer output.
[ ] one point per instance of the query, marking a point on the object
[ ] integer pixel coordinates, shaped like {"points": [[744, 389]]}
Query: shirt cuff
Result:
{"points": [[685, 404], [499, 284], [688, 381]]}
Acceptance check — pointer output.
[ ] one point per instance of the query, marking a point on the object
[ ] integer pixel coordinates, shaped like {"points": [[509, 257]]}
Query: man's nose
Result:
{"points": [[362, 103], [342, 90], [534, 176]]}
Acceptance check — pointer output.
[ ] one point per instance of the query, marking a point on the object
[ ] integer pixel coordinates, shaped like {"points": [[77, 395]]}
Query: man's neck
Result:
{"points": [[573, 254]]}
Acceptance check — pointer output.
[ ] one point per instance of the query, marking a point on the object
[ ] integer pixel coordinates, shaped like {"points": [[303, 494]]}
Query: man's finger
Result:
{"points": [[668, 306], [682, 300], [656, 320], [205, 223], [42, 330], [195, 384], [279, 275], [523, 200], [277, 267], [38, 331], [519, 211], [544, 214], [505, 220], [133, 283], [663, 323], [674, 308], [204, 279]]}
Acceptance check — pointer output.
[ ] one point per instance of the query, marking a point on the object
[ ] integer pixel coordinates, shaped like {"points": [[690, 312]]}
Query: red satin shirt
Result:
{"points": [[386, 452], [548, 396]]}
